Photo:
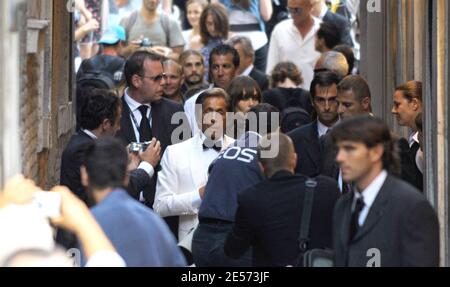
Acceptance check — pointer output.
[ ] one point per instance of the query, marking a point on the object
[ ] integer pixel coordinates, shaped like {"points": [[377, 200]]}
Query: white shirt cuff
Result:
{"points": [[196, 200], [148, 168], [106, 259]]}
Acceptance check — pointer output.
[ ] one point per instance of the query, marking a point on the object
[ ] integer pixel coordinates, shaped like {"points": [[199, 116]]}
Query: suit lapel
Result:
{"points": [[376, 210], [346, 218], [157, 118], [126, 127], [312, 147]]}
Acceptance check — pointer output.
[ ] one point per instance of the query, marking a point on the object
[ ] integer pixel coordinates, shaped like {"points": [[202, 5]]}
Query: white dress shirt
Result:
{"points": [[369, 195], [322, 129], [287, 44], [134, 108]]}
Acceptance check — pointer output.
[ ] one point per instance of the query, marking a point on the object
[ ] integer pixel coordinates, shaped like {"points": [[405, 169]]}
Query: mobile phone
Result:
{"points": [[49, 203]]}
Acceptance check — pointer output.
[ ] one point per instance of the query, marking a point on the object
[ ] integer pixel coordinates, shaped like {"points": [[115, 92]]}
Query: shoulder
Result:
{"points": [[77, 142], [402, 191], [283, 26], [302, 132], [170, 105]]}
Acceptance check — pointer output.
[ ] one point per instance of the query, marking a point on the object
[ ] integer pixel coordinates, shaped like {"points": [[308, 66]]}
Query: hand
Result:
{"points": [[152, 154], [163, 51], [18, 190], [202, 191], [134, 160], [74, 213], [91, 25]]}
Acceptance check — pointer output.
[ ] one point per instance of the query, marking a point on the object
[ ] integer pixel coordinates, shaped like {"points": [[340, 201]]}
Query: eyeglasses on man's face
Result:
{"points": [[157, 78]]}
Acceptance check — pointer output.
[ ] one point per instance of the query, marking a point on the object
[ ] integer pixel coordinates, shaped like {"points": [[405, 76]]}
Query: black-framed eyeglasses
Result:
{"points": [[295, 11], [157, 78]]}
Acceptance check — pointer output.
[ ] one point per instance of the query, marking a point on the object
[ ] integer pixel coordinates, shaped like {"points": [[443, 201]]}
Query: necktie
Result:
{"points": [[145, 131], [209, 144], [354, 225]]}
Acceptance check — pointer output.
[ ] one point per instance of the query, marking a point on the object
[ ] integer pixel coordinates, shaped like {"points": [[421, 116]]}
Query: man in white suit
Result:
{"points": [[184, 166]]}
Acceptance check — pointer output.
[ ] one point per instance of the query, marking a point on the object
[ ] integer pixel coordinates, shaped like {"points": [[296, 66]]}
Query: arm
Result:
{"points": [[241, 236], [272, 55], [167, 6], [171, 199], [266, 9], [85, 29], [420, 237], [76, 217]]}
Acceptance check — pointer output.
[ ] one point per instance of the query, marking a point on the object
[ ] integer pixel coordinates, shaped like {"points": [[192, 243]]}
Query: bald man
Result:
{"points": [[174, 82]]}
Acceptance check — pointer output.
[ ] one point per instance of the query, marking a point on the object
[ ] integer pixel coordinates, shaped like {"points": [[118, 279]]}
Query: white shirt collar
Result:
{"points": [[414, 137], [134, 105], [370, 194], [323, 11], [90, 134], [323, 129], [247, 71]]}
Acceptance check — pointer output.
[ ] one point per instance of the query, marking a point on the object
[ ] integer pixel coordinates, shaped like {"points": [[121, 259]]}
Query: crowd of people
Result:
{"points": [[234, 133]]}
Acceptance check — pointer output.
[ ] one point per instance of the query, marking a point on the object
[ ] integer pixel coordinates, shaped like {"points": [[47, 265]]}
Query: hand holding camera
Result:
{"points": [[152, 154]]}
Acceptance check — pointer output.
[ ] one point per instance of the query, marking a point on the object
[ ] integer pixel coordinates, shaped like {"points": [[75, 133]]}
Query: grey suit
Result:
{"points": [[401, 224]]}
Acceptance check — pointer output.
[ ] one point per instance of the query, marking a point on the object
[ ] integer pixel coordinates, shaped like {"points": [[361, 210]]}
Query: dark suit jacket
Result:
{"points": [[409, 171], [329, 166], [306, 143], [342, 24], [283, 98], [260, 78], [269, 215], [401, 224], [72, 159]]}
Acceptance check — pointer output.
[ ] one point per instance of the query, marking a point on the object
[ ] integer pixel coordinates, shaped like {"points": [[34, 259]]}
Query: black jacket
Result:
{"points": [[283, 98], [401, 224], [72, 159], [269, 215], [260, 78], [342, 24], [306, 143]]}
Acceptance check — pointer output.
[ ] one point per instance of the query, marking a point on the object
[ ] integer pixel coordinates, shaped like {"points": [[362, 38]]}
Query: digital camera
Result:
{"points": [[146, 43], [137, 147]]}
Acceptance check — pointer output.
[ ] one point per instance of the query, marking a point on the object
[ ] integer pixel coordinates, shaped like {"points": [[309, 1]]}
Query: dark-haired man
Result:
{"points": [[147, 114], [140, 237], [306, 138], [224, 62], [383, 222], [99, 118]]}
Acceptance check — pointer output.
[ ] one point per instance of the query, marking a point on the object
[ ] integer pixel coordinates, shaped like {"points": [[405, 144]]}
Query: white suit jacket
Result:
{"points": [[184, 170]]}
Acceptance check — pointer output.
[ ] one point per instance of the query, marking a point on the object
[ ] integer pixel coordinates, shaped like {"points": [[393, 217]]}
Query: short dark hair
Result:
{"points": [[272, 114], [327, 31], [243, 88], [279, 162], [370, 131], [357, 84], [283, 71], [323, 79], [106, 162], [135, 64], [245, 43], [223, 50], [411, 90], [220, 18], [347, 51], [98, 105]]}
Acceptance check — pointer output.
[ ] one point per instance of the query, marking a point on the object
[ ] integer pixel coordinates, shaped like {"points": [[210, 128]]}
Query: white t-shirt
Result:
{"points": [[287, 44]]}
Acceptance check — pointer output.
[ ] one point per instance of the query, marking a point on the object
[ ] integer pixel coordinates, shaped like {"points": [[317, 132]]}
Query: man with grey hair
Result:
{"points": [[335, 62], [294, 40], [247, 56]]}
